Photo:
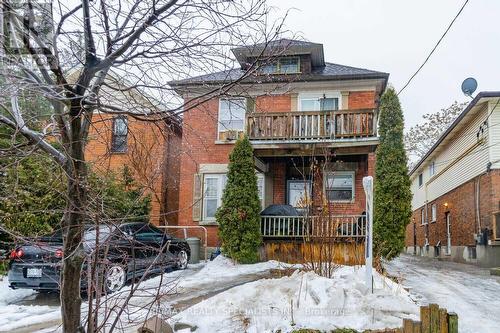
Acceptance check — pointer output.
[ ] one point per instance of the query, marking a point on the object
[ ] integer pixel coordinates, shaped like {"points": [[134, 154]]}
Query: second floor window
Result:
{"points": [[420, 180], [232, 114], [120, 133], [432, 168], [318, 102]]}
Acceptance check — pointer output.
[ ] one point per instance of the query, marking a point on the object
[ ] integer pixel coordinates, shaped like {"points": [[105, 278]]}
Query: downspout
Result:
{"points": [[477, 193]]}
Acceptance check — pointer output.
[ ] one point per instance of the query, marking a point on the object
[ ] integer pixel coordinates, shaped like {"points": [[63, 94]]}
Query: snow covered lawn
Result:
{"points": [[303, 300]]}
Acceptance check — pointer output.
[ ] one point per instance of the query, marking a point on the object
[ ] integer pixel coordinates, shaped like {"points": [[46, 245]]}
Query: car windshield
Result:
{"points": [[101, 234]]}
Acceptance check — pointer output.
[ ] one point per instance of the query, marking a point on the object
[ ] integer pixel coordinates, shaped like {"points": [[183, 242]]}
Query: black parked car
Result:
{"points": [[125, 252]]}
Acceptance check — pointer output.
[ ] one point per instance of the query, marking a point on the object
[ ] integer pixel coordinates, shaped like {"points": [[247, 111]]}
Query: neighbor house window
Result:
{"points": [[432, 168], [422, 216], [496, 226], [286, 65], [339, 186], [213, 188], [232, 115], [433, 213], [420, 180], [120, 133], [318, 102]]}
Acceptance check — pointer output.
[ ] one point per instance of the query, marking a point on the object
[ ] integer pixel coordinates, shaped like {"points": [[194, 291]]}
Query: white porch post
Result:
{"points": [[368, 187]]}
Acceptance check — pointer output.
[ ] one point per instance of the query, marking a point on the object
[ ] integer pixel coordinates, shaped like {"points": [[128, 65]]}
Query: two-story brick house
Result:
{"points": [[298, 111], [456, 189]]}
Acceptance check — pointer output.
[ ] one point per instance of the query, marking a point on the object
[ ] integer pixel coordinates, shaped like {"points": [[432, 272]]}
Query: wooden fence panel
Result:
{"points": [[432, 320]]}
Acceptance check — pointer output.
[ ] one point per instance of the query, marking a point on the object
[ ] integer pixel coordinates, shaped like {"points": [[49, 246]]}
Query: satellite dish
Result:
{"points": [[469, 86]]}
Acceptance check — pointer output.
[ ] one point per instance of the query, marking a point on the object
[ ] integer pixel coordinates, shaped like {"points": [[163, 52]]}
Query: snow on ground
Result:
{"points": [[13, 315], [467, 290], [303, 300], [197, 280]]}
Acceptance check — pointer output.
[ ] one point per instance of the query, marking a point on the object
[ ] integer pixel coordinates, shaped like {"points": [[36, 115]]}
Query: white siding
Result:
{"points": [[494, 125], [462, 169], [417, 191]]}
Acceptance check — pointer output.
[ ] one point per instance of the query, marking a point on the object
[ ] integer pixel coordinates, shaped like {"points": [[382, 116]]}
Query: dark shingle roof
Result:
{"points": [[328, 72]]}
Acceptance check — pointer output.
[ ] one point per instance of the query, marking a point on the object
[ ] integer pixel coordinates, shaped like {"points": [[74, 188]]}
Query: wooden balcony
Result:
{"points": [[311, 125], [341, 226]]}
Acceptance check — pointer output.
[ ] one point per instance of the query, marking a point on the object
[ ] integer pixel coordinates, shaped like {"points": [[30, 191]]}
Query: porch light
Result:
{"points": [[445, 204]]}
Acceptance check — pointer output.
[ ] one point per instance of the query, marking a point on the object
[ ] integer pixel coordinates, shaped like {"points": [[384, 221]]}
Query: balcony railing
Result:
{"points": [[343, 226], [311, 125]]}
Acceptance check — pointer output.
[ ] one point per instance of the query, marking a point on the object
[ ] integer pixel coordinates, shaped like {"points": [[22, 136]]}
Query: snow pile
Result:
{"points": [[13, 316], [8, 295], [303, 300]]}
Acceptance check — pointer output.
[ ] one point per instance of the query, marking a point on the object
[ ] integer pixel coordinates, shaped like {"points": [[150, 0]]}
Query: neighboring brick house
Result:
{"points": [[298, 111], [456, 189], [148, 146]]}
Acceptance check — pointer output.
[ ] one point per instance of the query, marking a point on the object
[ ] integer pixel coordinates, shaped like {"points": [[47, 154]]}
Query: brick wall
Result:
{"points": [[363, 168], [278, 170], [198, 147], [361, 100], [273, 103], [146, 157], [461, 205]]}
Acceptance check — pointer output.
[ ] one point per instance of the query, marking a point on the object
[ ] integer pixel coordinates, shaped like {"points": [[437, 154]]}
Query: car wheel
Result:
{"points": [[182, 259], [115, 278]]}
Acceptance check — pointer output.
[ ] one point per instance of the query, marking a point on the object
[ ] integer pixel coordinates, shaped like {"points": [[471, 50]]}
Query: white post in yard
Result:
{"points": [[368, 187]]}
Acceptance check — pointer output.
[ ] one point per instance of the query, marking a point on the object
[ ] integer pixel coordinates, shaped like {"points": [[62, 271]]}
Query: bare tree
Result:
{"points": [[69, 60], [420, 138]]}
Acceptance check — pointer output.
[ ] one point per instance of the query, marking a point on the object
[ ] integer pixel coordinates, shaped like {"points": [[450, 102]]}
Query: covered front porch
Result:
{"points": [[314, 198]]}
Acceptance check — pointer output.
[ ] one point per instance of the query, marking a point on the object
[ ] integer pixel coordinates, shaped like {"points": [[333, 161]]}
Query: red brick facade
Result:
{"points": [[460, 203], [152, 156], [275, 103], [362, 100], [200, 146]]}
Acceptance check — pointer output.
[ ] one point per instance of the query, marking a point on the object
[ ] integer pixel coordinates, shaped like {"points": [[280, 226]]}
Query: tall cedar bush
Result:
{"points": [[392, 201], [238, 216]]}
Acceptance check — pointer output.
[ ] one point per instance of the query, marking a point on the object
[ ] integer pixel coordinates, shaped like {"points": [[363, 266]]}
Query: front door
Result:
{"points": [[448, 234], [298, 193]]}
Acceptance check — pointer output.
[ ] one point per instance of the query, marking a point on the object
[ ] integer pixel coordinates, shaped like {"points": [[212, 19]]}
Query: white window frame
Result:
{"points": [[221, 184], [341, 173], [432, 168], [220, 189], [221, 128], [318, 95], [420, 179], [433, 212], [422, 217]]}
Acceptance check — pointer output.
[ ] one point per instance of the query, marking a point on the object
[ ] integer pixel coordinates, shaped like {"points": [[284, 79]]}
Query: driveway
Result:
{"points": [[468, 290]]}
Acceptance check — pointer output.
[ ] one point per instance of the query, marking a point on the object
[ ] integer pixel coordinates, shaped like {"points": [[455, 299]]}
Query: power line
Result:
{"points": [[435, 46]]}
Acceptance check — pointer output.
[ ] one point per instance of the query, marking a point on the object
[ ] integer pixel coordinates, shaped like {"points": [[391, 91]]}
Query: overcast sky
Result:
{"points": [[395, 36]]}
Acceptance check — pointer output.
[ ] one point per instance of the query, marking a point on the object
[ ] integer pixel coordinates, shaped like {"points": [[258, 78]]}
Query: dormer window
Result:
{"points": [[288, 65]]}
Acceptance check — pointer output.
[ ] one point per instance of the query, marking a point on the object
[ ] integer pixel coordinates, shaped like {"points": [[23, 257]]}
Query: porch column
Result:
{"points": [[371, 164], [279, 182]]}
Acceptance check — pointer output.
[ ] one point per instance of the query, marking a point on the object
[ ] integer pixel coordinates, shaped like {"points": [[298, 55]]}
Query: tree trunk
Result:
{"points": [[74, 219]]}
